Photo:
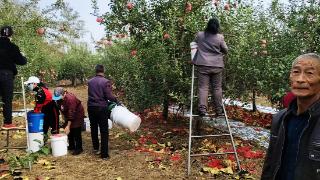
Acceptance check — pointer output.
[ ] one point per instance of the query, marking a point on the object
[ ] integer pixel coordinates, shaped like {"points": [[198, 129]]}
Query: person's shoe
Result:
{"points": [[202, 113], [70, 148], [105, 158], [77, 152], [9, 126], [219, 114], [202, 110], [96, 152]]}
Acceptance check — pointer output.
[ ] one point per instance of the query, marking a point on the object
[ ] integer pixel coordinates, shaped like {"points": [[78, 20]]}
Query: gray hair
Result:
{"points": [[313, 56]]}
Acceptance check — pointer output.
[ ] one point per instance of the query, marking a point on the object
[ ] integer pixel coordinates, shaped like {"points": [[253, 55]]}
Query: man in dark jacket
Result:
{"points": [[294, 149], [99, 94], [73, 112], [10, 55]]}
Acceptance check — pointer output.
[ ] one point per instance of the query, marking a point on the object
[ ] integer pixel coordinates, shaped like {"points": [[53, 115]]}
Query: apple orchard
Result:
{"points": [[146, 47]]}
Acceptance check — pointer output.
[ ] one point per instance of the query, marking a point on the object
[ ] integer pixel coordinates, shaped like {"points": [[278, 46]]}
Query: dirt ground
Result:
{"points": [[158, 150]]}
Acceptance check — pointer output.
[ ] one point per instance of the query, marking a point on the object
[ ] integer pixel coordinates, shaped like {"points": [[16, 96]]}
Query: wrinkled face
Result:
{"points": [[305, 78]]}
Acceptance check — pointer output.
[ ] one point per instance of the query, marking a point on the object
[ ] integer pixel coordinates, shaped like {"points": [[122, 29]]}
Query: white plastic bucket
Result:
{"points": [[87, 125], [194, 48], [59, 144], [124, 118], [35, 141]]}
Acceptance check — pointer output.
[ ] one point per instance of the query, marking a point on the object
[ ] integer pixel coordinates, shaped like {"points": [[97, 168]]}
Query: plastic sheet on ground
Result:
{"points": [[248, 106], [239, 129]]}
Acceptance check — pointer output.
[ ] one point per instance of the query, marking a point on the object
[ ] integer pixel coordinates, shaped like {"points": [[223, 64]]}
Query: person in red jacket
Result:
{"points": [[287, 99], [73, 113], [44, 104]]}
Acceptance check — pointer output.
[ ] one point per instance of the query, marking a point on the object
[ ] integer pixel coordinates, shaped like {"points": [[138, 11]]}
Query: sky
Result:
{"points": [[84, 8]]}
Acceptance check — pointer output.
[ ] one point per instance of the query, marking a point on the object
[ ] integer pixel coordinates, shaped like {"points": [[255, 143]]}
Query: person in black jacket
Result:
{"points": [[294, 148], [10, 55]]}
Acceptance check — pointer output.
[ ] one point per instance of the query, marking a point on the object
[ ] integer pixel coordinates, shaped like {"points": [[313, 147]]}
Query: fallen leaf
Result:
{"points": [[49, 167], [161, 166], [169, 144], [16, 136], [227, 170], [43, 162], [213, 171]]}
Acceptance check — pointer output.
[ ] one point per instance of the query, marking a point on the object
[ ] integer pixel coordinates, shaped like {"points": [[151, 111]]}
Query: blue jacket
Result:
{"points": [[100, 92]]}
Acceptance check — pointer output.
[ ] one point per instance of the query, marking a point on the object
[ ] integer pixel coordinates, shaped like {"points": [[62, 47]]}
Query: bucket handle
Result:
{"points": [[66, 141]]}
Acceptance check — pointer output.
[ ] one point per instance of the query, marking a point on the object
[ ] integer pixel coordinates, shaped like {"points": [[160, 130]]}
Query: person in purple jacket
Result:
{"points": [[209, 62], [99, 94]]}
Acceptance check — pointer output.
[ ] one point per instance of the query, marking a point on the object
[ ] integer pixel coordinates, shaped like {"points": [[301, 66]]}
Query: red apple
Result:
{"points": [[166, 36], [129, 5], [133, 52], [227, 7], [41, 31], [188, 7], [99, 19]]}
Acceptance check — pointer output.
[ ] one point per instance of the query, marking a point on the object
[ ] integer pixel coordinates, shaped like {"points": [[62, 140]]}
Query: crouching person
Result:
{"points": [[44, 104], [73, 112]]}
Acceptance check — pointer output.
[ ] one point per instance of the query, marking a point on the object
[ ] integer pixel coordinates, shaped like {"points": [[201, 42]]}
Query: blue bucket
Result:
{"points": [[35, 122]]}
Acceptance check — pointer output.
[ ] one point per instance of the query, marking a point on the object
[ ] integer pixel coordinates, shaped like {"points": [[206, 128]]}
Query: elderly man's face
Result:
{"points": [[305, 78]]}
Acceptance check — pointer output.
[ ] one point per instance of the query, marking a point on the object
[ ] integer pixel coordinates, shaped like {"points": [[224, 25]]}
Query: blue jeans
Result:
{"points": [[6, 93]]}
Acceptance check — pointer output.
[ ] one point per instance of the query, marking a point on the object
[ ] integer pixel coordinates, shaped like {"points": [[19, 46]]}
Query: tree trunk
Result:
{"points": [[254, 106], [165, 112], [74, 81]]}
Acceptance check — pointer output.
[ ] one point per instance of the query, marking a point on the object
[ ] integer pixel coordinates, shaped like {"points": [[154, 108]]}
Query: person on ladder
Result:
{"points": [[10, 55], [209, 62], [44, 104]]}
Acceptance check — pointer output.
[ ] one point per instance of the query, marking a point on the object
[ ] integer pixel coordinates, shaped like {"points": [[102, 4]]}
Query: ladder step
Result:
{"points": [[13, 129], [17, 93], [18, 110], [197, 96], [211, 154], [212, 135], [15, 147], [195, 115]]}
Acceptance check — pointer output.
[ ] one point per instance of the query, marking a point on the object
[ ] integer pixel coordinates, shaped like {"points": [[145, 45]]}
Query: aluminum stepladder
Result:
{"points": [[191, 117], [7, 147]]}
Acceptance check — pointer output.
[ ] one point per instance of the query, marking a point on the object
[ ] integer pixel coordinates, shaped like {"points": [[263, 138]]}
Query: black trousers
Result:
{"points": [[99, 119], [6, 93], [51, 118], [75, 139]]}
